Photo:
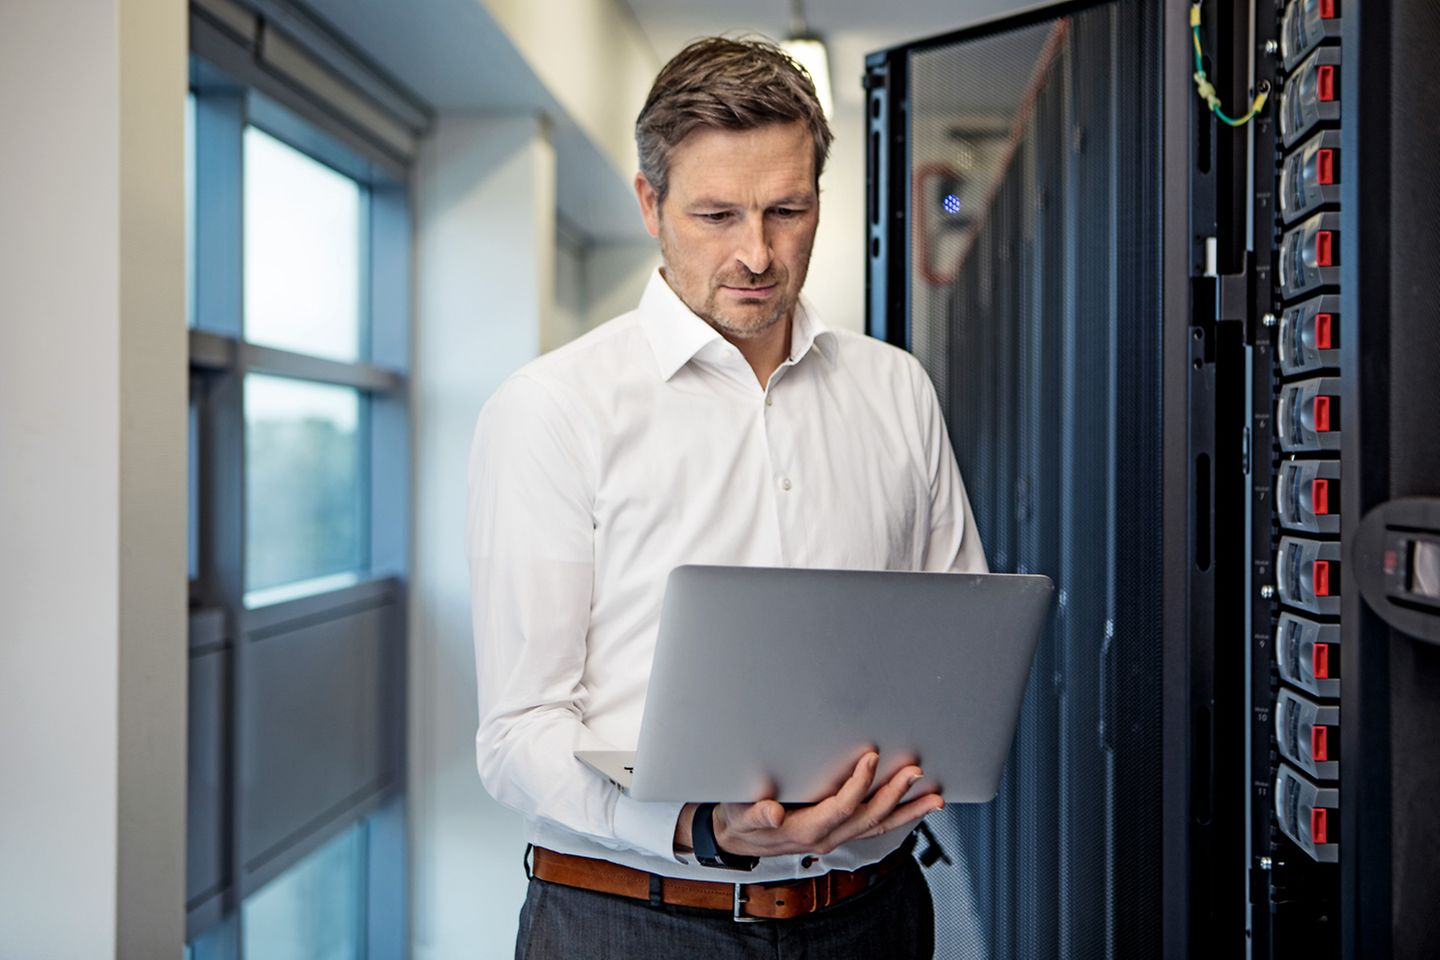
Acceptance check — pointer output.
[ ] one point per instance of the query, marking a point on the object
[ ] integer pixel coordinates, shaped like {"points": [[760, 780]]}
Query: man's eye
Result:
{"points": [[719, 217], [787, 213]]}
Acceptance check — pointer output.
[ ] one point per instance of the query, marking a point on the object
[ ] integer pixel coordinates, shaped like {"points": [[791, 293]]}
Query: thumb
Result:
{"points": [[765, 815], [768, 814]]}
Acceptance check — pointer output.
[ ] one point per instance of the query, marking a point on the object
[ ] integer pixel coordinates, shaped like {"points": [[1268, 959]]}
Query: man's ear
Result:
{"points": [[649, 204]]}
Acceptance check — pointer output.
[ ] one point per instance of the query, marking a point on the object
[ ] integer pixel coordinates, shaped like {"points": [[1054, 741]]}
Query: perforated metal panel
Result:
{"points": [[1033, 302]]}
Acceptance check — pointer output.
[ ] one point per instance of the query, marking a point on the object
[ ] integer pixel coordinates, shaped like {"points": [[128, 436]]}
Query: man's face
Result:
{"points": [[738, 223]]}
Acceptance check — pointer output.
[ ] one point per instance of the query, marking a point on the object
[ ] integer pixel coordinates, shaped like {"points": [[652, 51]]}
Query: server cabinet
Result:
{"points": [[1343, 342], [1189, 369], [1015, 233]]}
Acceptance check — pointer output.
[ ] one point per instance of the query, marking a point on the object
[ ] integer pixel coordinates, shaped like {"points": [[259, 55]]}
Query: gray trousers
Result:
{"points": [[894, 920]]}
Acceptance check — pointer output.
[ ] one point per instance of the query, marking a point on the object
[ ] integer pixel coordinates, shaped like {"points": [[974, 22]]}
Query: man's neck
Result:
{"points": [[766, 352]]}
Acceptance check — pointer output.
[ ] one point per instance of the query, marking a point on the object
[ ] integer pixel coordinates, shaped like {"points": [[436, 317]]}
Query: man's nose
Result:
{"points": [[754, 250]]}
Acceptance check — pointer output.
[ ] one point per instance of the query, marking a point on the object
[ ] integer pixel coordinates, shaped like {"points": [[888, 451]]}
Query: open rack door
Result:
{"points": [[1017, 235]]}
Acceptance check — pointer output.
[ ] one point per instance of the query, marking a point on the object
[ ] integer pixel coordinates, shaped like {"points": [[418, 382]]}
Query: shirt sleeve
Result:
{"points": [[530, 543], [954, 542]]}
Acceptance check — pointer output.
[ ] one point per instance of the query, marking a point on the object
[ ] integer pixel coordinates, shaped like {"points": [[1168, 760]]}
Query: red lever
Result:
{"points": [[1317, 825], [1325, 165], [1325, 248], [1325, 81], [1320, 578], [1319, 497], [1321, 409], [1327, 9], [1320, 661], [1324, 331], [1319, 745]]}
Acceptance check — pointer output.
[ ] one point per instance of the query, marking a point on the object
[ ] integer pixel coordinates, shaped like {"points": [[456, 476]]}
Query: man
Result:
{"points": [[719, 423]]}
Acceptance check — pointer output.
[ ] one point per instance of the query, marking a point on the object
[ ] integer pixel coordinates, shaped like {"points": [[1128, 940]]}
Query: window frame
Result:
{"points": [[224, 620]]}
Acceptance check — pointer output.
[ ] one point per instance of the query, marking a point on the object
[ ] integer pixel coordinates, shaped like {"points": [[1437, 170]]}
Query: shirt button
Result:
{"points": [[807, 862], [769, 401], [785, 483]]}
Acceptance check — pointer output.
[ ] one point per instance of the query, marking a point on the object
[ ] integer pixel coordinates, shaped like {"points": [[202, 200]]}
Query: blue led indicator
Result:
{"points": [[951, 203]]}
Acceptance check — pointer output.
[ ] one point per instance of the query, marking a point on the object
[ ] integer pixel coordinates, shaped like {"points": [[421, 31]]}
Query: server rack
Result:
{"points": [[1048, 362], [1229, 337]]}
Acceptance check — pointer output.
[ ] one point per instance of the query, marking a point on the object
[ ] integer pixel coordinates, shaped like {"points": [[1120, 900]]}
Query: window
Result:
{"points": [[315, 910], [302, 252], [305, 488], [297, 262]]}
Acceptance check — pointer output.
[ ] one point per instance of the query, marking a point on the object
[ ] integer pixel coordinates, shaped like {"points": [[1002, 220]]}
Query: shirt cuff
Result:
{"points": [[647, 826]]}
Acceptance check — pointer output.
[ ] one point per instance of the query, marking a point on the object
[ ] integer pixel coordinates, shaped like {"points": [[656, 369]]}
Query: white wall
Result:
{"points": [[836, 282], [594, 59], [485, 250], [92, 435], [615, 277]]}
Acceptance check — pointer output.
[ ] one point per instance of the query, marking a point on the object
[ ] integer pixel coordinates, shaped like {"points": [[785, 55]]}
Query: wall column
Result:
{"points": [[93, 367], [485, 255]]}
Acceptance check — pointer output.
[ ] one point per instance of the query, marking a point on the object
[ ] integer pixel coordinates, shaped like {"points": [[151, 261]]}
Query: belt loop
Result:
{"points": [[657, 898], [525, 861]]}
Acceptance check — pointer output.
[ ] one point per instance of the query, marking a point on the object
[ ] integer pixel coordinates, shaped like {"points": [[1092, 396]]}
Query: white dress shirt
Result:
{"points": [[646, 444]]}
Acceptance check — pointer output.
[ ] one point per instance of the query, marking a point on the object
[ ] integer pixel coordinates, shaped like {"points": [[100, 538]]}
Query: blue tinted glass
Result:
{"points": [[190, 210], [305, 494], [302, 252], [313, 911]]}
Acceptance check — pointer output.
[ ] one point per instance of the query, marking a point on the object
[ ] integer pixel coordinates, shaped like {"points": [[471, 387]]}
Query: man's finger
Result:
{"points": [[839, 808], [812, 827], [908, 813], [879, 807]]}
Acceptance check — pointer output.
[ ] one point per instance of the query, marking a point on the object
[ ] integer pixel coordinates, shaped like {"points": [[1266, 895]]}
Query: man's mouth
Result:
{"points": [[753, 292]]}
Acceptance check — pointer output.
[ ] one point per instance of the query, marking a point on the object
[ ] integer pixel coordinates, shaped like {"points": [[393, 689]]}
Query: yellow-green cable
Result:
{"points": [[1206, 89]]}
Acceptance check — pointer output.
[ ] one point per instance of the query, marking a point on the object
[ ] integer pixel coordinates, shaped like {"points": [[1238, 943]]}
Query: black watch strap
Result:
{"points": [[707, 850]]}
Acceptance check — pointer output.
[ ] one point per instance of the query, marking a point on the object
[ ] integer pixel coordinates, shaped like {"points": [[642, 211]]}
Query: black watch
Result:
{"points": [[707, 851]]}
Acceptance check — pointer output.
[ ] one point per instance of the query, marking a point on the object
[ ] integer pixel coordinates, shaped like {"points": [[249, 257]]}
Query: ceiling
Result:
{"points": [[454, 56], [852, 28]]}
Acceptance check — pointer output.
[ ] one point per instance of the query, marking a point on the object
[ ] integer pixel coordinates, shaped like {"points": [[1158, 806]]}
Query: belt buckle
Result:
{"points": [[737, 903]]}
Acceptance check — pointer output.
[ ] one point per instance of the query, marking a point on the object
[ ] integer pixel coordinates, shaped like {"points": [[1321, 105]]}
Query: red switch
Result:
{"points": [[1325, 81], [1327, 9], [1325, 248], [1321, 410], [1317, 825], [1319, 496], [1324, 331], [1320, 578], [1319, 743], [1325, 165], [1320, 661]]}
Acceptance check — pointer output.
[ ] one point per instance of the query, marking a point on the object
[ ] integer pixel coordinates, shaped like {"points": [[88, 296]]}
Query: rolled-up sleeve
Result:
{"points": [[530, 542]]}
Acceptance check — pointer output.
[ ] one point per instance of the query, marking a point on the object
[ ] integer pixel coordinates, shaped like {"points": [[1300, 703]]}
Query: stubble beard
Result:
{"points": [[748, 325]]}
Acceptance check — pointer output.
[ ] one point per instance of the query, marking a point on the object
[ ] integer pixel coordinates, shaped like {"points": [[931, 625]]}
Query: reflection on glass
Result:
{"points": [[313, 911], [973, 112], [305, 494], [190, 210], [302, 252]]}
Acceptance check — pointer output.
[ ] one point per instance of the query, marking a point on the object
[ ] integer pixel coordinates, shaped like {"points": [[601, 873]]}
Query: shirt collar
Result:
{"points": [[676, 334]]}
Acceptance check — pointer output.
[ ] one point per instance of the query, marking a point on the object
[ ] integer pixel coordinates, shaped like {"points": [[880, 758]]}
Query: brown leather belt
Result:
{"points": [[745, 902]]}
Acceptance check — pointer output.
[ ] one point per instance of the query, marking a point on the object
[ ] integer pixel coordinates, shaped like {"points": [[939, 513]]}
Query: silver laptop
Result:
{"points": [[773, 682]]}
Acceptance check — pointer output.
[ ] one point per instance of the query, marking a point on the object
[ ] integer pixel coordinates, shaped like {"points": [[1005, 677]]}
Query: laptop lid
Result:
{"points": [[772, 682]]}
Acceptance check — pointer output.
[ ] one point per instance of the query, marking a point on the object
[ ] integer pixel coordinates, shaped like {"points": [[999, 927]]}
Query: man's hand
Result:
{"points": [[767, 829]]}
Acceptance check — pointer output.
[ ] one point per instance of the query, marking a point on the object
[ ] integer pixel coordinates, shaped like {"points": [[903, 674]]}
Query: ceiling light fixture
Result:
{"points": [[809, 51]]}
